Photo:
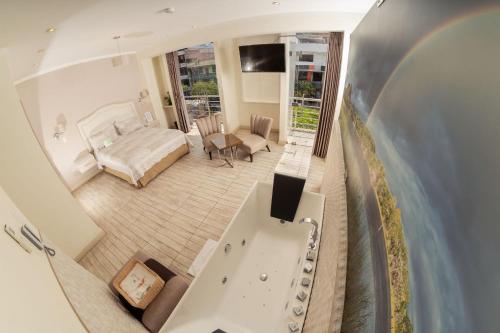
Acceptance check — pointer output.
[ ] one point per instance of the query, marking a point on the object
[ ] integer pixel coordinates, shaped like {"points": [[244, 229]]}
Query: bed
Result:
{"points": [[125, 148]]}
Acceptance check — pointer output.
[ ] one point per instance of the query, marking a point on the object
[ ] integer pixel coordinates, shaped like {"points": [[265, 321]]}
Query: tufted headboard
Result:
{"points": [[103, 117]]}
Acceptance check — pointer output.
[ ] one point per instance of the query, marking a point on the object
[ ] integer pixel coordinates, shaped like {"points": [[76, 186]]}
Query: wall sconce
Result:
{"points": [[60, 128], [143, 94]]}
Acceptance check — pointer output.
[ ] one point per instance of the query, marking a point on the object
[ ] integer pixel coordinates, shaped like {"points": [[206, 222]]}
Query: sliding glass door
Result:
{"points": [[307, 67], [199, 80]]}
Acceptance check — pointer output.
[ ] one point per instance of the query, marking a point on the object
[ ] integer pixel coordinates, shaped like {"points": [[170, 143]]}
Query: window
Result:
{"points": [[317, 76], [302, 76], [199, 67], [306, 57], [199, 81], [309, 53]]}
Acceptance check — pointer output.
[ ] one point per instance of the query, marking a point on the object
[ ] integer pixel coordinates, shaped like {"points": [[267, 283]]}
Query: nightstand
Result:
{"points": [[85, 162], [155, 123]]}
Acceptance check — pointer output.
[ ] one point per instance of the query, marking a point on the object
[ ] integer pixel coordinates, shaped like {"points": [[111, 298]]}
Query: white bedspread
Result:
{"points": [[135, 153]]}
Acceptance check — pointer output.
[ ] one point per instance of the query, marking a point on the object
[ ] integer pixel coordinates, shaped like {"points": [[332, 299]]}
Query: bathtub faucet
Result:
{"points": [[312, 245]]}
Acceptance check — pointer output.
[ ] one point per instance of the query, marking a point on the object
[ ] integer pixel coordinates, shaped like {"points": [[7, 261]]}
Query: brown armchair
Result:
{"points": [[260, 128], [208, 126]]}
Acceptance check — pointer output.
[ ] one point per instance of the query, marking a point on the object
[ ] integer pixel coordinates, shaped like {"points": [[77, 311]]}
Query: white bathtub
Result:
{"points": [[229, 294]]}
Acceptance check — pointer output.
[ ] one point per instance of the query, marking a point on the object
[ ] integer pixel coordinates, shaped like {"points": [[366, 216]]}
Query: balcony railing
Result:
{"points": [[303, 114], [201, 106]]}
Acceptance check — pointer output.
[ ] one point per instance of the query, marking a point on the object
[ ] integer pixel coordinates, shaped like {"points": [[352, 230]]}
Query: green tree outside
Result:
{"points": [[305, 88], [205, 88]]}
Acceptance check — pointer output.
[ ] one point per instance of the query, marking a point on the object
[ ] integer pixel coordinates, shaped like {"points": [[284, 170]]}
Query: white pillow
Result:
{"points": [[125, 127], [104, 138]]}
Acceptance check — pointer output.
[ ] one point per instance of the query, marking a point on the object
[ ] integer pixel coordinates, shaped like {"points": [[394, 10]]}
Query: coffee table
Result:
{"points": [[223, 142]]}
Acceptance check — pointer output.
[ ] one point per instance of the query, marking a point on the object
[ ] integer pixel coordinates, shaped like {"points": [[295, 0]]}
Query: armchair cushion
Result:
{"points": [[209, 125], [253, 143], [157, 313], [207, 143], [260, 125], [260, 128]]}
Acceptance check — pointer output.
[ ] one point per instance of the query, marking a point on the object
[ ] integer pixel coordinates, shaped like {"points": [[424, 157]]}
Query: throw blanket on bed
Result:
{"points": [[136, 152]]}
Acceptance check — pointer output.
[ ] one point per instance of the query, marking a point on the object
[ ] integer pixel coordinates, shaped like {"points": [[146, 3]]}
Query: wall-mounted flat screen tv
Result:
{"points": [[262, 58]]}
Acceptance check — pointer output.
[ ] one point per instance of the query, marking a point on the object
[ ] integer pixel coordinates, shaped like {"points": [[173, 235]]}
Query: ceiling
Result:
{"points": [[85, 28]]}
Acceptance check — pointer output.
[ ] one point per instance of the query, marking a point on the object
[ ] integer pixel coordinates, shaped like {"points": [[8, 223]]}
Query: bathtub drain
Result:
{"points": [[263, 277]]}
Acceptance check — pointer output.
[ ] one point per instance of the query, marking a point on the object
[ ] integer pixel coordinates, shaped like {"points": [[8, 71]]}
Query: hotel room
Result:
{"points": [[155, 135], [265, 166]]}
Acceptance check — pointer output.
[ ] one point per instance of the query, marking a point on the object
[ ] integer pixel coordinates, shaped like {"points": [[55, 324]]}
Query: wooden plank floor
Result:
{"points": [[172, 217]]}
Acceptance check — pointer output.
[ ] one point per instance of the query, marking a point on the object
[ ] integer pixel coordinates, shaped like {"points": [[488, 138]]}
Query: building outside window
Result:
{"points": [[317, 77], [197, 69], [309, 53], [199, 80], [307, 66], [306, 57], [302, 75]]}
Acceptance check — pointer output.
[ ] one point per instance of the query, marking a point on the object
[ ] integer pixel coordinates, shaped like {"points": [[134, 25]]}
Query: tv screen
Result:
{"points": [[262, 58]]}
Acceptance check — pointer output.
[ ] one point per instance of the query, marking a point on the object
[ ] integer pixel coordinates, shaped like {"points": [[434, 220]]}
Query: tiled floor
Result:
{"points": [[301, 138], [172, 217]]}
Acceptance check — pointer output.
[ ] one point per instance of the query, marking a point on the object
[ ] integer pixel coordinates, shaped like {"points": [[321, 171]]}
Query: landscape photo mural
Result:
{"points": [[420, 123]]}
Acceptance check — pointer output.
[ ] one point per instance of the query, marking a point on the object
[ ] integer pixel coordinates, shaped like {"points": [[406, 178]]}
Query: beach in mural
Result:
{"points": [[375, 219], [429, 98]]}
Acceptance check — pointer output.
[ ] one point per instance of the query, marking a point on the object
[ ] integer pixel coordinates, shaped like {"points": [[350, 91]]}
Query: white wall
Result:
{"points": [[161, 74], [32, 300], [259, 87], [149, 80], [28, 178], [260, 92], [75, 92], [286, 88], [227, 81], [232, 84]]}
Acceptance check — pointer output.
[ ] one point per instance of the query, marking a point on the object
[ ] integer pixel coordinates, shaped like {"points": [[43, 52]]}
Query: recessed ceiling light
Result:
{"points": [[168, 10], [276, 3], [50, 29]]}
